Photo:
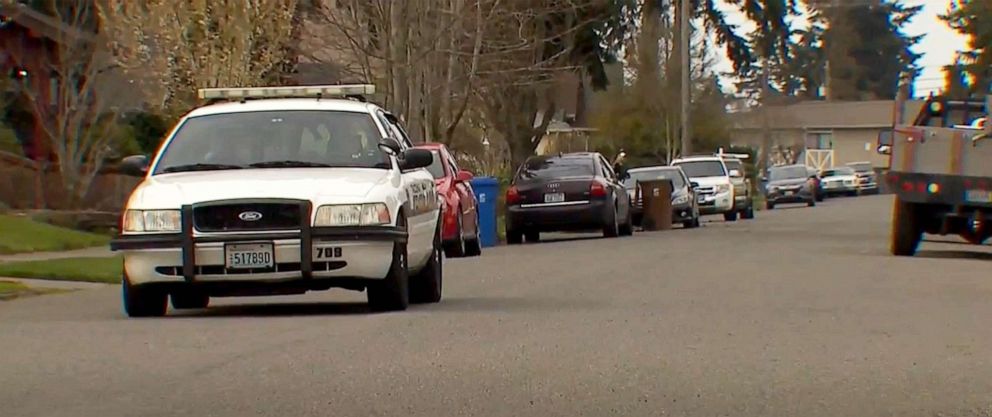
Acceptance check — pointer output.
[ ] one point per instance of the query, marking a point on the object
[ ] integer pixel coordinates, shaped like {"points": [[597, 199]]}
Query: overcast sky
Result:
{"points": [[938, 46]]}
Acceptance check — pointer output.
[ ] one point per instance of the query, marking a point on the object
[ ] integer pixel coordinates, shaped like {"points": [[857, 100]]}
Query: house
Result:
{"points": [[821, 133], [569, 129], [31, 43]]}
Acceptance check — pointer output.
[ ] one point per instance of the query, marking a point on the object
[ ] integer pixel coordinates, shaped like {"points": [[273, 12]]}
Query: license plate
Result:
{"points": [[323, 253], [978, 196], [790, 192], [554, 197], [249, 255]]}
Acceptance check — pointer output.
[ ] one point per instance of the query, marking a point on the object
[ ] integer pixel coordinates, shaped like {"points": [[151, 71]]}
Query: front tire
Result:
{"points": [[748, 213], [907, 228], [393, 292], [730, 216], [769, 205], [143, 300], [426, 285], [811, 203]]}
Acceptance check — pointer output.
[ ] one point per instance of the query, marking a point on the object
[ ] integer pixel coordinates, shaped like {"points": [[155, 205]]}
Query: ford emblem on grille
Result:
{"points": [[250, 216]]}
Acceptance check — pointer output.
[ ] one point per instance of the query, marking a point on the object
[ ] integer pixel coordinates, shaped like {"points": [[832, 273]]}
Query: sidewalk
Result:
{"points": [[95, 252]]}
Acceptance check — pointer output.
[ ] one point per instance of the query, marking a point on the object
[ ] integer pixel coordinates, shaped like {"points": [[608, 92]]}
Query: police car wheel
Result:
{"points": [[393, 292], [426, 285], [142, 300]]}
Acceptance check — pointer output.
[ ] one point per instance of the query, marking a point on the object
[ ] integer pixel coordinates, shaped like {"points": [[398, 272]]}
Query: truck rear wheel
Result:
{"points": [[907, 228]]}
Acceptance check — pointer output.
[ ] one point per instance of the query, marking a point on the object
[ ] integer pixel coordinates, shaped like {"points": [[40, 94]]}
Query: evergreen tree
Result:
{"points": [[972, 18], [867, 50]]}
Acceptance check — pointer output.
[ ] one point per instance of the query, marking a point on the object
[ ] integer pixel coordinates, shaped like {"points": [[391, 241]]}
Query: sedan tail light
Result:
{"points": [[512, 195], [597, 189]]}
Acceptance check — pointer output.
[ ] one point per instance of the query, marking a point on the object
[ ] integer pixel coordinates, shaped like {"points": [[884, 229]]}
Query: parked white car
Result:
{"points": [[281, 191], [841, 180], [716, 188]]}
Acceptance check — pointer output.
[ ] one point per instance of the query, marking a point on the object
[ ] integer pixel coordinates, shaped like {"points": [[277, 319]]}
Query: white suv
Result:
{"points": [[716, 189], [269, 195]]}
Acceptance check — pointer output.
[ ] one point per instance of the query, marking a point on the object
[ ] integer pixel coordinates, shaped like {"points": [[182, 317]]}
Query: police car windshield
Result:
{"points": [[436, 168], [654, 174], [274, 139]]}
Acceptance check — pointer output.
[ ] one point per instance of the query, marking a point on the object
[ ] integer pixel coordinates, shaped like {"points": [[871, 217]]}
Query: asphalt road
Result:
{"points": [[800, 312]]}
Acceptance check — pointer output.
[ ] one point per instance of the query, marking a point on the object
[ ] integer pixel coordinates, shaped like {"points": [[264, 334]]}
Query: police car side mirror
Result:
{"points": [[416, 158], [134, 165], [735, 173], [389, 146]]}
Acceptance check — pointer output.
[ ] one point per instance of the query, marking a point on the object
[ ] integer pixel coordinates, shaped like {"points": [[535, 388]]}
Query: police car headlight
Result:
{"points": [[151, 221], [352, 215], [682, 199], [722, 188]]}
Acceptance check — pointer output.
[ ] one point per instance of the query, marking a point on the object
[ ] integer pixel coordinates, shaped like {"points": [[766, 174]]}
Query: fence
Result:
{"points": [[21, 183]]}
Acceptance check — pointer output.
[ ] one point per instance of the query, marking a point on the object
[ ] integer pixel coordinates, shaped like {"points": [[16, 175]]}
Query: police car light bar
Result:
{"points": [[287, 92]]}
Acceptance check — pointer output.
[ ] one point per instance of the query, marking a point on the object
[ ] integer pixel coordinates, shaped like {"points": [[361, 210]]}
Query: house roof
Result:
{"points": [[826, 115], [39, 23]]}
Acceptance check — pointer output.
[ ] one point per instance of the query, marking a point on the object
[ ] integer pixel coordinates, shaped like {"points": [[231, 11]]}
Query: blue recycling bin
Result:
{"points": [[486, 191]]}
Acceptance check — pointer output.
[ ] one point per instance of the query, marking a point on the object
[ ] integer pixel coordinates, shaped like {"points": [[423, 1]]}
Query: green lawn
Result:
{"points": [[21, 234], [10, 290], [10, 287], [106, 270]]}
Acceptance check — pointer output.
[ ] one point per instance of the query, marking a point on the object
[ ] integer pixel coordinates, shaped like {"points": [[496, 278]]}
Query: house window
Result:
{"points": [[819, 140]]}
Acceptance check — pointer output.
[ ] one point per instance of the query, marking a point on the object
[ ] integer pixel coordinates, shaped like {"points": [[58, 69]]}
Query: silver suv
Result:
{"points": [[743, 201]]}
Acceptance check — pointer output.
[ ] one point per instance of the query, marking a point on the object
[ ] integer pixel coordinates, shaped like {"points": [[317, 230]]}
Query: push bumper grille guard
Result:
{"points": [[187, 241]]}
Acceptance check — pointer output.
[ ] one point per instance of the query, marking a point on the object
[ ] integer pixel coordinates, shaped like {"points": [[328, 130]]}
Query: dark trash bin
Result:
{"points": [[656, 197]]}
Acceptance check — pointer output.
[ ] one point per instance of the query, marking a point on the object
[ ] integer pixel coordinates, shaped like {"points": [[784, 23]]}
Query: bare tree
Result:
{"points": [[179, 46], [66, 94], [424, 55]]}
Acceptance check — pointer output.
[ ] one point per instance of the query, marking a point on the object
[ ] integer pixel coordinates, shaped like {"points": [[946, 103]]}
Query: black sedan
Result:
{"points": [[789, 184], [566, 192]]}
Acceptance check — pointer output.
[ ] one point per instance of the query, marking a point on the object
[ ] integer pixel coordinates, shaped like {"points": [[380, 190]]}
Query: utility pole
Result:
{"points": [[686, 34], [766, 131]]}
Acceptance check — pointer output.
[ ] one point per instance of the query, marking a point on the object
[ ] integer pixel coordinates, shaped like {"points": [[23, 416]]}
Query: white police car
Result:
{"points": [[281, 190]]}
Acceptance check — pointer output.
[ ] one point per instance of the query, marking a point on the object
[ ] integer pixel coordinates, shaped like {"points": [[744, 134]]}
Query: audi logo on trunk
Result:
{"points": [[250, 216]]}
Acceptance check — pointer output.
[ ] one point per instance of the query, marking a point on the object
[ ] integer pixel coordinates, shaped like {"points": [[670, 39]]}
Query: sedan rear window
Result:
{"points": [[541, 168], [654, 174]]}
